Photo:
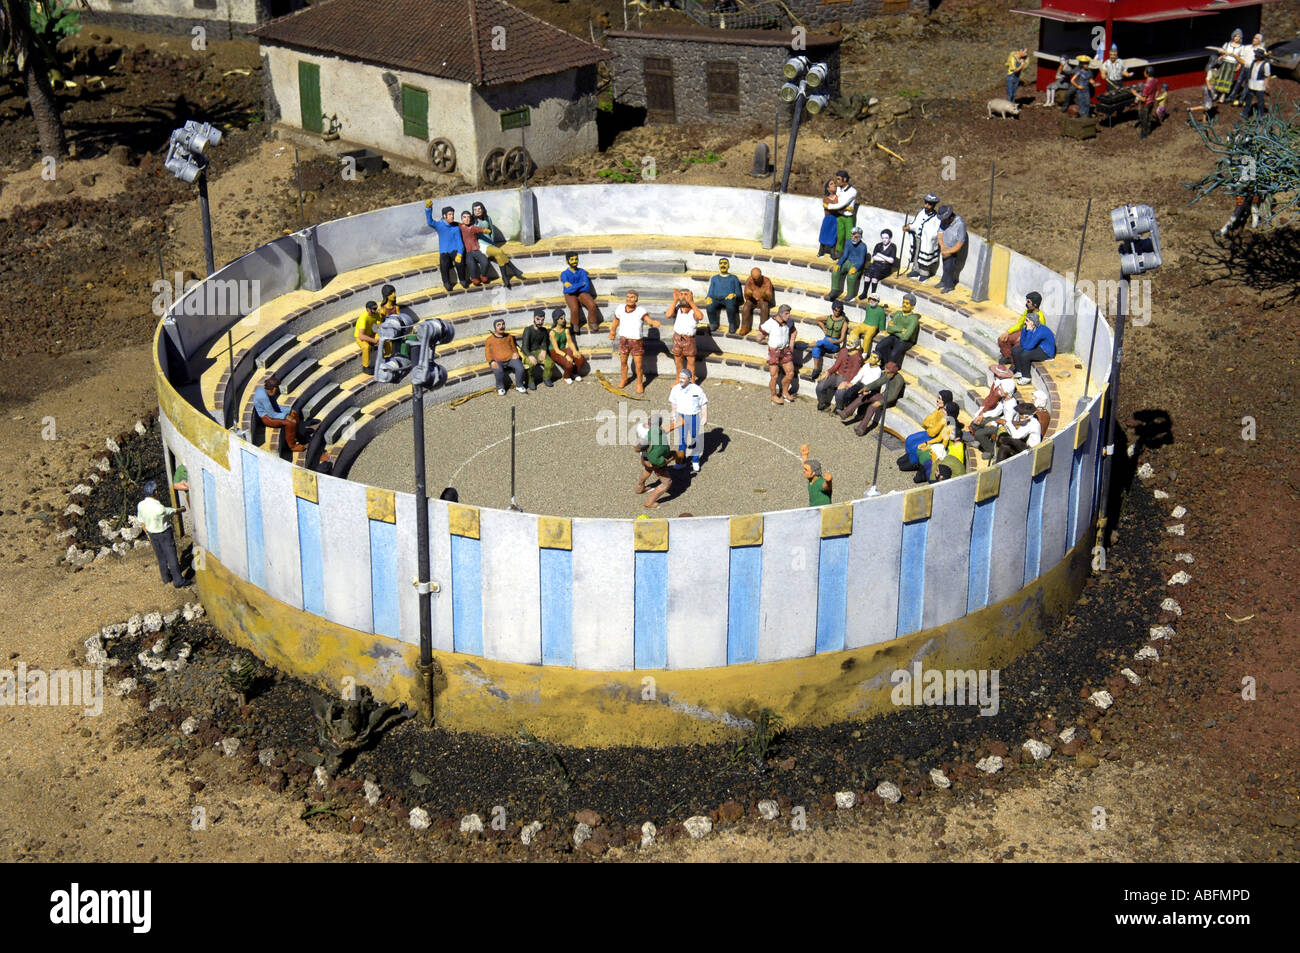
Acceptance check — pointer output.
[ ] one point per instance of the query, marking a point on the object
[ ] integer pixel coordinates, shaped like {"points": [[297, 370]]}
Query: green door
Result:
{"points": [[309, 96], [415, 111]]}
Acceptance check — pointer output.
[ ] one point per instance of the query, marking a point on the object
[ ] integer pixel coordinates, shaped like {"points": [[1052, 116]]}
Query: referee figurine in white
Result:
{"points": [[691, 408], [157, 523]]}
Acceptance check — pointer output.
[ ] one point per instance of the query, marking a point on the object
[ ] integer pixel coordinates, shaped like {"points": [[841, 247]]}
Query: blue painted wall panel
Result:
{"points": [[650, 635], [466, 595], [832, 593], [911, 578], [309, 545], [744, 594], [1072, 517], [1034, 527], [384, 612], [557, 606], [981, 551], [210, 513], [254, 543]]}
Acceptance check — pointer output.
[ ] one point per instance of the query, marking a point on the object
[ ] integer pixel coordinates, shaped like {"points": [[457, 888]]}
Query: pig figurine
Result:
{"points": [[1003, 108]]}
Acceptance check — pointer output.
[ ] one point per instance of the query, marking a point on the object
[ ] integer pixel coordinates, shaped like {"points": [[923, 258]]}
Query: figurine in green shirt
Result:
{"points": [[819, 484], [901, 333]]}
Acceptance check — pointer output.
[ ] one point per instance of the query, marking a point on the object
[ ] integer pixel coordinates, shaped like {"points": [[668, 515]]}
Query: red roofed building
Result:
{"points": [[1171, 35], [434, 81]]}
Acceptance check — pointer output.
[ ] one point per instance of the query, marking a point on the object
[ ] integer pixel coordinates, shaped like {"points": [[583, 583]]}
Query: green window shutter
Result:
{"points": [[309, 96], [415, 112]]}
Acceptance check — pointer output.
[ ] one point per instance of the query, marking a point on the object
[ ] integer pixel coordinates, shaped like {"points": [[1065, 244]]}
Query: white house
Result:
{"points": [[444, 82], [222, 19]]}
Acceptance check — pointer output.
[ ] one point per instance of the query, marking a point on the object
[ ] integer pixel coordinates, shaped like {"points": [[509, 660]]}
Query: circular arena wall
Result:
{"points": [[614, 631]]}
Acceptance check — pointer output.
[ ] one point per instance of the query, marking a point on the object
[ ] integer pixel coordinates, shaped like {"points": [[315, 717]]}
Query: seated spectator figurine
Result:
{"points": [[535, 346], [834, 384], [933, 425], [491, 242], [476, 263], [900, 333], [1037, 343], [874, 319], [1020, 433], [778, 333], [883, 259], [1011, 337], [629, 328], [579, 291], [366, 334], [269, 412], [848, 269], [758, 294], [686, 318], [656, 461], [564, 349], [1004, 386], [691, 409], [945, 450], [1043, 411], [451, 247], [983, 430], [1059, 85], [725, 291], [835, 328], [502, 355], [819, 483], [872, 399]]}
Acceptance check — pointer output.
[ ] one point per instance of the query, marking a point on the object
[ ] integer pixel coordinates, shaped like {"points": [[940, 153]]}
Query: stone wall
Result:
{"points": [[818, 13]]}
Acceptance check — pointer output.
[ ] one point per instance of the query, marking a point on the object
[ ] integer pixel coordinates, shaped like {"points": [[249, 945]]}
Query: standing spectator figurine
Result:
{"points": [[1245, 55], [502, 355], [724, 291], [883, 259], [1015, 63], [629, 328], [492, 240], [835, 382], [686, 318], [829, 233], [924, 230], [758, 294], [845, 208], [1020, 433], [535, 346], [1011, 337], [872, 399], [1225, 71], [848, 269], [874, 319], [451, 247], [578, 290], [779, 334], [564, 349], [819, 483], [835, 328], [1146, 98], [655, 462], [1059, 85], [691, 407], [157, 523], [1037, 343], [269, 412], [1258, 81], [366, 334], [1113, 71], [1082, 83], [901, 332], [952, 239], [476, 263], [1162, 103]]}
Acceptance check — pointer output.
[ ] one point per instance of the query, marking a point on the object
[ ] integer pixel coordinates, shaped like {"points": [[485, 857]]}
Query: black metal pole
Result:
{"points": [[794, 135], [1111, 418], [162, 272], [902, 242], [1087, 377], [512, 458], [776, 141], [880, 440], [297, 168], [524, 149], [207, 222], [423, 585]]}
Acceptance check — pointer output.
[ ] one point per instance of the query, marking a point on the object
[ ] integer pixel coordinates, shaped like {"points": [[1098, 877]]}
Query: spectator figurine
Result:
{"points": [[502, 355], [579, 291], [829, 233], [835, 328], [686, 318], [535, 346], [934, 422], [724, 291], [366, 334], [1011, 337], [270, 413], [1015, 64], [983, 428], [924, 230], [629, 328], [952, 239], [883, 259], [834, 384], [1225, 69], [848, 269], [945, 458], [451, 247], [388, 302], [758, 294], [1059, 85], [655, 462], [1081, 82], [874, 319], [691, 409], [1259, 77], [1146, 99], [1020, 433], [476, 263], [1043, 411], [1207, 107], [872, 399], [155, 518], [819, 483], [1244, 54], [564, 349], [779, 334], [901, 333], [845, 208], [1037, 343], [1162, 103], [1113, 71], [491, 242]]}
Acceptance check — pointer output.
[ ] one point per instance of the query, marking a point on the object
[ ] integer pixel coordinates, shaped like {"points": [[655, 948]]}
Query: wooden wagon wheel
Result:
{"points": [[442, 155], [492, 167], [516, 165]]}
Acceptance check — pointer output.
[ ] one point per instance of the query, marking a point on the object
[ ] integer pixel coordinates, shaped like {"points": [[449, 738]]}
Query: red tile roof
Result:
{"points": [[452, 39]]}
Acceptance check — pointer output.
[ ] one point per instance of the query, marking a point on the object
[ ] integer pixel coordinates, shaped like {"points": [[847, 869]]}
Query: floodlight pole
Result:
{"points": [[422, 583], [794, 135], [206, 215], [880, 445], [1110, 418]]}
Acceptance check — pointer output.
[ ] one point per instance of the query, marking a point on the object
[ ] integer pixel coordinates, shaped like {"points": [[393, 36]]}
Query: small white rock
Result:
{"points": [[111, 444], [1102, 699], [1038, 750], [126, 686], [1147, 653], [845, 799], [939, 779], [320, 776], [1145, 472], [140, 544], [102, 465], [1185, 558], [230, 747], [529, 832], [139, 428], [1171, 605], [74, 510], [96, 654], [67, 533], [80, 490], [769, 810], [1176, 530], [153, 623], [471, 824], [157, 702], [698, 826], [104, 553], [648, 834], [121, 548], [1180, 578], [1067, 735], [372, 792], [265, 757], [888, 792], [1158, 632], [990, 765], [189, 725], [159, 647], [1179, 512], [171, 617], [1160, 494], [581, 834], [419, 819], [1133, 677], [134, 625]]}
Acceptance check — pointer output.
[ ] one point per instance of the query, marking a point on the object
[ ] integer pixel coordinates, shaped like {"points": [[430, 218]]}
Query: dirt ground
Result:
{"points": [[1200, 773]]}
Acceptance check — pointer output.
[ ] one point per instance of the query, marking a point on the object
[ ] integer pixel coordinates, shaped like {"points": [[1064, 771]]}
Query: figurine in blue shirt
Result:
{"points": [[848, 270], [579, 291], [451, 249], [1037, 343], [724, 292], [272, 415]]}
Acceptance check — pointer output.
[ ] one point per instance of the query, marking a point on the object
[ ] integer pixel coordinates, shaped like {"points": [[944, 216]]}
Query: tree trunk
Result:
{"points": [[45, 110]]}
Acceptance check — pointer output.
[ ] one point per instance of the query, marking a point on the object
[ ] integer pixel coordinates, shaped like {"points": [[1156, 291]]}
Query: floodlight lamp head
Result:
{"points": [[1136, 230], [795, 67], [789, 93], [180, 164], [817, 75], [817, 102]]}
